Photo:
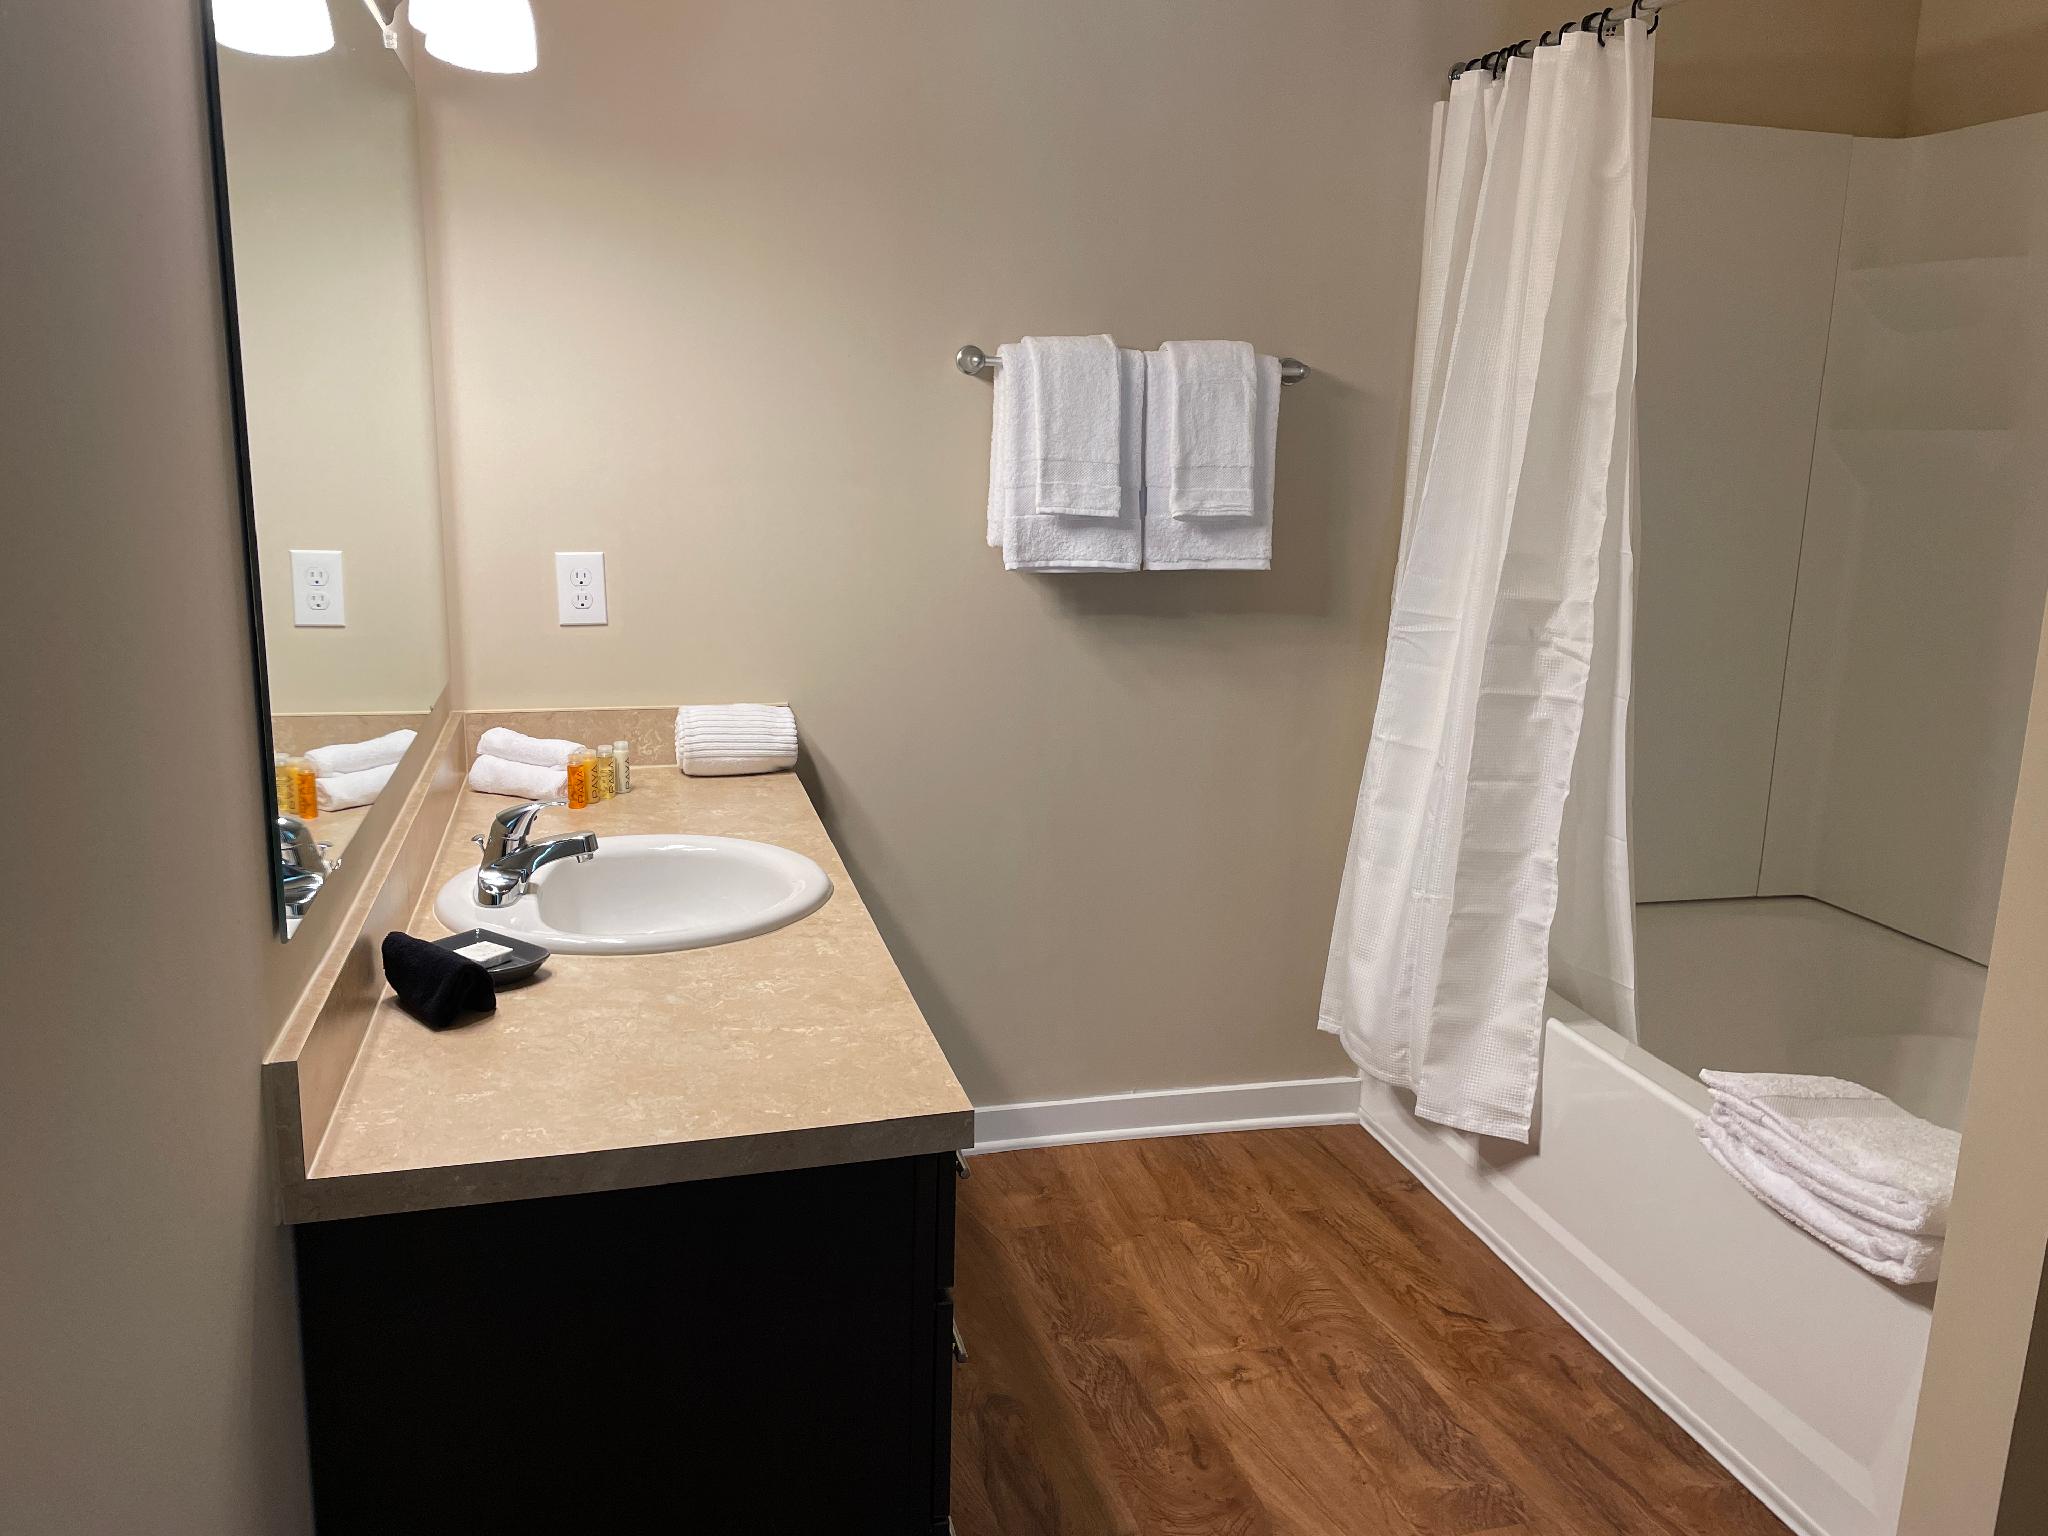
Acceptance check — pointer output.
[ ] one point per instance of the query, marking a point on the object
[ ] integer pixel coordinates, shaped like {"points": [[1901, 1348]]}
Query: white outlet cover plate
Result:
{"points": [[317, 589], [579, 587]]}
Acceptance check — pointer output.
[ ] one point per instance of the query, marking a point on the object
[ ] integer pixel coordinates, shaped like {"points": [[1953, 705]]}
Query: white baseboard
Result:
{"points": [[1167, 1112]]}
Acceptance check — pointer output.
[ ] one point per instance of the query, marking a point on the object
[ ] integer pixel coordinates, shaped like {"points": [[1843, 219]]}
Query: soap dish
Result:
{"points": [[519, 961]]}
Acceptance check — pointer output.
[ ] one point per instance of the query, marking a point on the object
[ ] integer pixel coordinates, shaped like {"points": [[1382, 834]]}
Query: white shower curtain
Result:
{"points": [[1489, 854]]}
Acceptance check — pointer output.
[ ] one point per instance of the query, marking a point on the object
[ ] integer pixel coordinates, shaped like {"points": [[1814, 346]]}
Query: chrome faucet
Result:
{"points": [[510, 859], [302, 864]]}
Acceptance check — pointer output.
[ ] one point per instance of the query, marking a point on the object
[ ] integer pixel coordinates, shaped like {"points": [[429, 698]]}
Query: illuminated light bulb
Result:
{"points": [[280, 29]]}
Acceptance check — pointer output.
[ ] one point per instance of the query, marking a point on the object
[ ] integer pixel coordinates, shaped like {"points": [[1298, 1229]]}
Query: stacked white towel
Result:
{"points": [[1212, 418], [1840, 1161], [509, 762], [352, 773], [719, 739], [1066, 455], [341, 791], [356, 756]]}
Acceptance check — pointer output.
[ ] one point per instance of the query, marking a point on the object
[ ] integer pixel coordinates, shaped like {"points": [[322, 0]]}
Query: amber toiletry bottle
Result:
{"points": [[579, 778], [604, 781], [305, 792]]}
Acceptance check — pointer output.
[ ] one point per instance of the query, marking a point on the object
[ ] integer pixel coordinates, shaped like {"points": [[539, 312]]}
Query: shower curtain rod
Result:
{"points": [[1601, 23]]}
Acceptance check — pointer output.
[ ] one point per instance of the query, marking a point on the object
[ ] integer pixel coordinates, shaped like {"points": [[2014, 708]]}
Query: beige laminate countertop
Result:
{"points": [[798, 1048]]}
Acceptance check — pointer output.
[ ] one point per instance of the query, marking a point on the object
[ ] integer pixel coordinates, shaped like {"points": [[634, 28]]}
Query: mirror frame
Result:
{"points": [[245, 484]]}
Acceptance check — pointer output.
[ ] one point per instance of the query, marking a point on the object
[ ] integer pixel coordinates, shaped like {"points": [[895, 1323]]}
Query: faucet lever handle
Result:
{"points": [[509, 827]]}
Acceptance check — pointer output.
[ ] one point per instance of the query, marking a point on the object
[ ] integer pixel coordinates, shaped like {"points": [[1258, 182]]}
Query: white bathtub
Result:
{"points": [[1795, 1368]]}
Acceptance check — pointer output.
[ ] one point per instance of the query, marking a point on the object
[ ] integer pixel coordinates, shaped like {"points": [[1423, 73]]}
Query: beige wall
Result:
{"points": [[323, 182], [1839, 66], [148, 1363], [701, 279], [1878, 67], [1977, 61]]}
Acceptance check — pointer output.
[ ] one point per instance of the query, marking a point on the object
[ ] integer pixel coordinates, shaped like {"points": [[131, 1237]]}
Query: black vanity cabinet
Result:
{"points": [[768, 1354]]}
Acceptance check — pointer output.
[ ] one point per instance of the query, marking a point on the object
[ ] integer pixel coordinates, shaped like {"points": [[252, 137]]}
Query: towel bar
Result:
{"points": [[971, 359]]}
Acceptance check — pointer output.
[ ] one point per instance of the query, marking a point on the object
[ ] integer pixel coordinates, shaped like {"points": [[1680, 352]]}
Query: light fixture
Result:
{"points": [[283, 29], [495, 37]]}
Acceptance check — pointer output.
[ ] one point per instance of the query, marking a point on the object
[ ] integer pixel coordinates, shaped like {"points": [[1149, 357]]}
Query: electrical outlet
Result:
{"points": [[579, 587], [317, 589]]}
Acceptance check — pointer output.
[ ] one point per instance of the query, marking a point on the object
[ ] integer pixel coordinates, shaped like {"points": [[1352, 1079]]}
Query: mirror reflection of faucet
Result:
{"points": [[303, 864], [510, 858]]}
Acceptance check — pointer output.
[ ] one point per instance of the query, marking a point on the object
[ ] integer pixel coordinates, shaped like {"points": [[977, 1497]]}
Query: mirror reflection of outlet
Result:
{"points": [[579, 587], [317, 589]]}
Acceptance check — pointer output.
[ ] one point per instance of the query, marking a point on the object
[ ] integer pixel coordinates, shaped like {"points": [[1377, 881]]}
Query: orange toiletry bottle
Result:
{"points": [[580, 765], [306, 789]]}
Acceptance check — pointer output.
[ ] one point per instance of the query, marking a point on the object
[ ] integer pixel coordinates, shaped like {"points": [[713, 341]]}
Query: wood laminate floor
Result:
{"points": [[1283, 1332]]}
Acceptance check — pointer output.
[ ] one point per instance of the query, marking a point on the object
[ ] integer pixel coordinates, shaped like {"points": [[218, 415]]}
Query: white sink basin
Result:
{"points": [[644, 894]]}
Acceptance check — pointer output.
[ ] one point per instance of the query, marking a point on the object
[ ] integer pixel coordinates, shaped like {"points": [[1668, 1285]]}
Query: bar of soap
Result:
{"points": [[483, 951]]}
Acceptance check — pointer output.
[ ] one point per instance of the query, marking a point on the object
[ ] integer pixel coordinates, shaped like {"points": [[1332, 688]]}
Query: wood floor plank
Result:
{"points": [[1281, 1332]]}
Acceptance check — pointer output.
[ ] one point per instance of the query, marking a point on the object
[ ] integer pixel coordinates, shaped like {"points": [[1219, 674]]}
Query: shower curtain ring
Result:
{"points": [[1599, 32]]}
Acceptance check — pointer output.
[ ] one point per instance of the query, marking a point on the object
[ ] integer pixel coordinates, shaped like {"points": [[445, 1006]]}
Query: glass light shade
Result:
{"points": [[282, 29], [425, 14], [493, 36]]}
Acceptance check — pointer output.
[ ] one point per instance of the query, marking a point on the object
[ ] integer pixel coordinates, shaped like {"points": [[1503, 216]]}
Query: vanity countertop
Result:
{"points": [[798, 1048]]}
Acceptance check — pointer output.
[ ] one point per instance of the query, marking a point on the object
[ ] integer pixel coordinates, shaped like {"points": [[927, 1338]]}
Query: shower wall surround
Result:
{"points": [[1855, 520]]}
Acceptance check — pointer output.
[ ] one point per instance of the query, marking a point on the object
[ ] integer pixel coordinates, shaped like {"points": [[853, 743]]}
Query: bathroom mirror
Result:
{"points": [[318, 170], [1843, 564]]}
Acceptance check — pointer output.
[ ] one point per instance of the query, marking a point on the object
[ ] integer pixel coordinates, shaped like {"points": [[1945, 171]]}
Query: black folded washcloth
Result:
{"points": [[436, 985]]}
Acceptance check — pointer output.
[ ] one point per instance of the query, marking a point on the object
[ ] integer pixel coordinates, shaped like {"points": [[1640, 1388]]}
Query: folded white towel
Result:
{"points": [[513, 747], [1208, 541], [1849, 1144], [523, 781], [1077, 411], [1032, 540], [714, 740], [356, 756], [1211, 412], [1888, 1254], [340, 791]]}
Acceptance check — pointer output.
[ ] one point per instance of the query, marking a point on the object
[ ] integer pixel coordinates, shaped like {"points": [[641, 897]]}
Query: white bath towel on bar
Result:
{"points": [[1852, 1145], [1078, 424], [1030, 539], [1208, 542], [1888, 1254], [1211, 393], [357, 756]]}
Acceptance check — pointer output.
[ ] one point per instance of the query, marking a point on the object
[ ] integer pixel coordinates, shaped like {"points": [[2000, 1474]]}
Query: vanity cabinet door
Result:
{"points": [[760, 1354]]}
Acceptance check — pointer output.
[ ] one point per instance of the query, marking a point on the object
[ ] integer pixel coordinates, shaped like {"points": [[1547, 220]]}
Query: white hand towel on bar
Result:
{"points": [[1212, 391], [1208, 541], [714, 740], [1030, 539], [1850, 1145], [523, 781], [355, 756], [341, 791], [1890, 1255], [1077, 410], [515, 747]]}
